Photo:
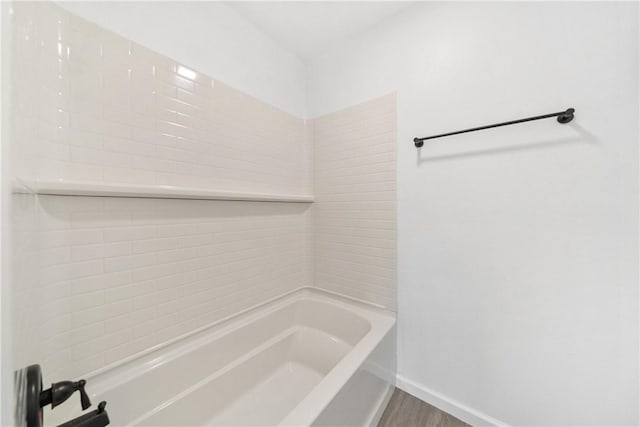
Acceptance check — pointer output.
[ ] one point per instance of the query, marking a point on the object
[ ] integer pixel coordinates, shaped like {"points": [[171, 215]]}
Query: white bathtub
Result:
{"points": [[308, 358]]}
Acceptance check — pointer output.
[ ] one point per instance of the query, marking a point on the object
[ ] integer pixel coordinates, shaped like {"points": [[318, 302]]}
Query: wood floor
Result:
{"points": [[405, 410]]}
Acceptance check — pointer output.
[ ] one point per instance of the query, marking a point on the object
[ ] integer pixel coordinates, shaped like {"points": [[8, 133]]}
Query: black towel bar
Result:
{"points": [[563, 117]]}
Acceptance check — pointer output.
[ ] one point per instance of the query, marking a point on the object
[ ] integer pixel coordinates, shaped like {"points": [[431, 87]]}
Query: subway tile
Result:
{"points": [[99, 282], [141, 53], [129, 118], [67, 339], [86, 139], [57, 273], [116, 77], [128, 146], [129, 233], [128, 262], [115, 50], [88, 252], [154, 245], [99, 157], [87, 300], [116, 249], [88, 268], [52, 132], [55, 290], [161, 88], [82, 50], [89, 364], [108, 268], [127, 175], [174, 79], [132, 347], [355, 245], [153, 272], [84, 237], [115, 94], [86, 123], [99, 218], [145, 135], [93, 347], [175, 129], [129, 320], [55, 256], [100, 313], [54, 115], [56, 363], [54, 239], [129, 291], [85, 84], [117, 130]]}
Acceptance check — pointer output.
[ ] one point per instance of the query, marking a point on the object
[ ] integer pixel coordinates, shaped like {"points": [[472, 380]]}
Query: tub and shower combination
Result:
{"points": [[306, 358]]}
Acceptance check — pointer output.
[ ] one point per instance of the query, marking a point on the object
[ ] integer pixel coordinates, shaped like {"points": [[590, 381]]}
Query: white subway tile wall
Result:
{"points": [[103, 278], [99, 279], [94, 106], [355, 201]]}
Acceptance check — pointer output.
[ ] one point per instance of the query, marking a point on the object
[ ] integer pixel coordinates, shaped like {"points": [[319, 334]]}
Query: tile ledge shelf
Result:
{"points": [[109, 189]]}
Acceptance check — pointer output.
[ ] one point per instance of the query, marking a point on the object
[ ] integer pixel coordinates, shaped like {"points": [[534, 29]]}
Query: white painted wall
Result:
{"points": [[211, 38], [518, 247]]}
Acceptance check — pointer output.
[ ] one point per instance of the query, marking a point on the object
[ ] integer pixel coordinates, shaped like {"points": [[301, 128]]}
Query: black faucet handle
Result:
{"points": [[61, 391], [84, 397]]}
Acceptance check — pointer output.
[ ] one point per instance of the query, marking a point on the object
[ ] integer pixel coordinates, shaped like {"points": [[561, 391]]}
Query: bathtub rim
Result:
{"points": [[202, 334]]}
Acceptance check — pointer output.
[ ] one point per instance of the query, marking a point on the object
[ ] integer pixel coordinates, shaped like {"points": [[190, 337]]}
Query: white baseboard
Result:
{"points": [[446, 404]]}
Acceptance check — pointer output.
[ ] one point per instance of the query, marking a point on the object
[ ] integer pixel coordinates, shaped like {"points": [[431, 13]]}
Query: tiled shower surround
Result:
{"points": [[98, 107], [119, 275], [100, 279], [355, 193]]}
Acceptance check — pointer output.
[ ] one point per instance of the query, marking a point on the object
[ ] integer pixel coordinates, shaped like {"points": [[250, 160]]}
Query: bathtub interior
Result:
{"points": [[261, 389], [252, 373]]}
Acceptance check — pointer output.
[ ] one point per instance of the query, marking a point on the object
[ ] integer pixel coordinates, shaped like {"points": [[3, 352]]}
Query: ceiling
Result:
{"points": [[308, 27]]}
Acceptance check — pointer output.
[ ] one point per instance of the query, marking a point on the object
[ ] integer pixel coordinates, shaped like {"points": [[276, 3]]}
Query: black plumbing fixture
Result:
{"points": [[34, 399], [563, 117], [61, 391], [96, 418]]}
